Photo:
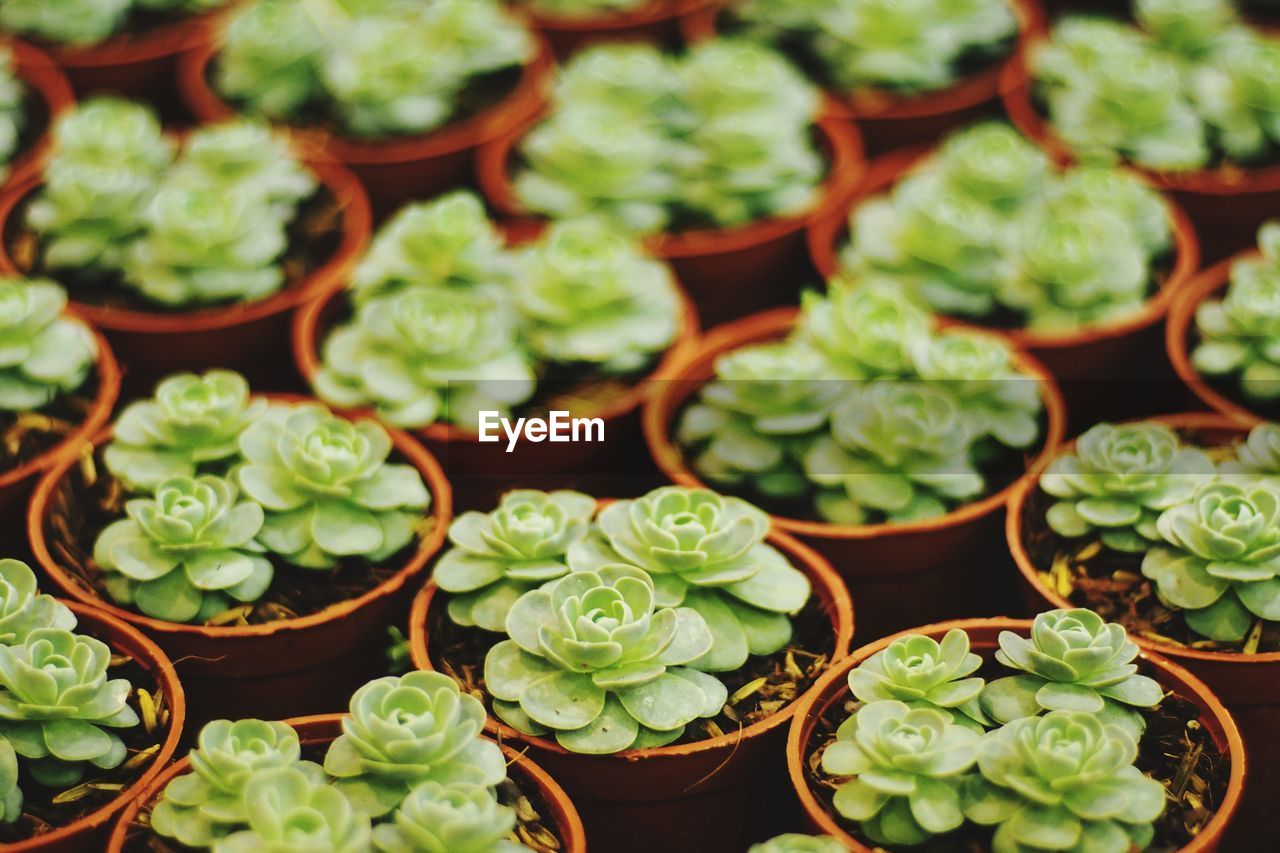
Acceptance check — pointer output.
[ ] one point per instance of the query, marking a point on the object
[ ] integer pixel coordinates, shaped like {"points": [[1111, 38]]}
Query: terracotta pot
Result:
{"points": [[657, 22], [1248, 684], [276, 669], [320, 730], [1181, 327], [983, 633], [90, 832], [898, 573], [1100, 367], [397, 169], [659, 799], [728, 272], [42, 78], [250, 337]]}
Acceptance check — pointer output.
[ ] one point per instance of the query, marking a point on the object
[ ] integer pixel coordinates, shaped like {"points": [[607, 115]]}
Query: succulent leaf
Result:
{"points": [[43, 352]]}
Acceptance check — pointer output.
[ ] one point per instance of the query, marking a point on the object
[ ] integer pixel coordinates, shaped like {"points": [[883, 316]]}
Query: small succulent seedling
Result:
{"points": [[85, 23], [498, 556], [23, 609], [924, 673], [454, 818], [12, 112], [287, 806], [43, 352]]}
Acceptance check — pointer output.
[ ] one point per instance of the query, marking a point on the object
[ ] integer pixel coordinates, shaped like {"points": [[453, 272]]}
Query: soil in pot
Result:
{"points": [[25, 436]]}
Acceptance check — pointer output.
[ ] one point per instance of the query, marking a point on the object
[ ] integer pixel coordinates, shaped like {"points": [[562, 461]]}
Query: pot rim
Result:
{"points": [[414, 453], [654, 12], [840, 611], [40, 75], [128, 48], [159, 665], [321, 727], [1013, 536], [819, 816], [663, 406]]}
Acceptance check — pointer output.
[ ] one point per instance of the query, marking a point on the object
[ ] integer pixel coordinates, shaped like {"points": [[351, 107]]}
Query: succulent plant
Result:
{"points": [[10, 793], [454, 818], [595, 660], [185, 553], [1234, 90], [793, 842], [498, 556], [707, 553], [1073, 661], [43, 352], [327, 487], [23, 609], [1189, 27], [865, 329], [1119, 479], [1119, 193], [1064, 781], [199, 807], [289, 809], [1221, 563], [906, 765], [244, 153], [992, 163], [12, 112], [57, 705], [1257, 458], [924, 673], [81, 22], [270, 58]]}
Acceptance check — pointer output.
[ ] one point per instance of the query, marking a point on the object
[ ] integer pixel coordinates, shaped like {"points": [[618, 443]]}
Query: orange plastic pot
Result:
{"points": [[656, 22], [38, 73], [89, 833], [644, 800], [398, 169], [898, 573], [1178, 333], [322, 729], [251, 337], [728, 272], [275, 669], [983, 634], [1248, 684]]}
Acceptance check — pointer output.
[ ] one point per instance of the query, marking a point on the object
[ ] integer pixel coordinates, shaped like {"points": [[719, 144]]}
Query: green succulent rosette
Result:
{"points": [[793, 842], [288, 809], [1064, 781], [1123, 194], [24, 609], [453, 818], [246, 153], [1235, 91], [595, 660], [707, 553], [10, 793], [992, 163], [269, 58], [1257, 458], [865, 329], [924, 673], [86, 22], [905, 767], [12, 113], [1189, 27], [43, 352], [498, 556]]}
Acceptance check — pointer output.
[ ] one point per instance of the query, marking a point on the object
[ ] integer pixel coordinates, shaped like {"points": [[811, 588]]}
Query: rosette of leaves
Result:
{"points": [[589, 295], [192, 423], [897, 451], [86, 22], [270, 58], [498, 556], [288, 808], [1120, 193], [454, 818], [1236, 93], [593, 659], [199, 807], [707, 553], [1188, 27], [244, 153], [1073, 661], [793, 842], [994, 164], [406, 730], [12, 114], [906, 765], [10, 793], [425, 355], [1064, 781], [57, 705], [184, 554], [327, 487], [23, 609], [864, 328], [1240, 333], [43, 352], [924, 673], [1257, 458], [1221, 561], [1118, 480]]}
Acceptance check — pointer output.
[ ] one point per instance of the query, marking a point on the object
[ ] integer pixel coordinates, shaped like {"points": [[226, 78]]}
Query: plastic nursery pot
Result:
{"points": [[274, 669], [728, 272], [50, 95], [251, 337], [1248, 684], [1091, 362], [983, 633], [664, 798], [396, 169], [319, 731], [657, 21], [1179, 332], [89, 833], [898, 573]]}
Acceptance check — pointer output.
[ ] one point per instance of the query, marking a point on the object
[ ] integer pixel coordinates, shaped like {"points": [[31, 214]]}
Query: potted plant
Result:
{"points": [[722, 178], [1186, 96], [1066, 738], [187, 254], [406, 769], [92, 712], [794, 842], [447, 317], [1158, 493], [1077, 265], [261, 541], [906, 72], [127, 46], [33, 93], [571, 25], [886, 441], [1223, 336], [401, 93], [637, 648]]}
